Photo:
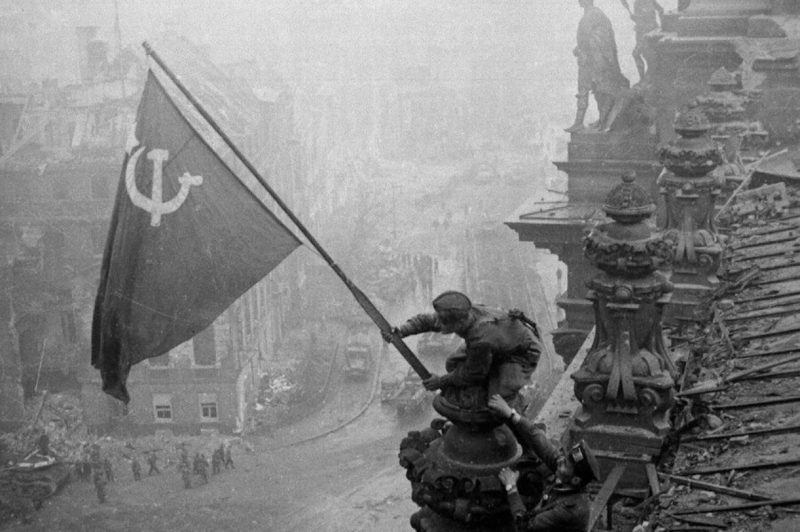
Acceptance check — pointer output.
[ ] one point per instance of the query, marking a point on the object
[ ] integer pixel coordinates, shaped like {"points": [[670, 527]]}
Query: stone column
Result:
{"points": [[690, 191], [625, 385]]}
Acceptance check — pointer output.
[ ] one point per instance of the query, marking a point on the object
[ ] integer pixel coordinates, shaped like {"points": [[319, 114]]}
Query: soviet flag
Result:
{"points": [[187, 238]]}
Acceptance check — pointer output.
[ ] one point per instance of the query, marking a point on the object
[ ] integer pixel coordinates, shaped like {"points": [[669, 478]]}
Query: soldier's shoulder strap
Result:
{"points": [[517, 314]]}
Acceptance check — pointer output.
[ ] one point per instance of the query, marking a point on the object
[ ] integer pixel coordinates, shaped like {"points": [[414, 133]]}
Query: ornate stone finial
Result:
{"points": [[693, 154], [733, 116], [628, 201], [626, 247]]}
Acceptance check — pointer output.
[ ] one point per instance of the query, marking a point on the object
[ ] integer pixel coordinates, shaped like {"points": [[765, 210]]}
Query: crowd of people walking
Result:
{"points": [[93, 466]]}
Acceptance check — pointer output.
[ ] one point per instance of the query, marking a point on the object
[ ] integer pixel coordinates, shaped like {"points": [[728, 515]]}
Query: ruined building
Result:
{"points": [[61, 155]]}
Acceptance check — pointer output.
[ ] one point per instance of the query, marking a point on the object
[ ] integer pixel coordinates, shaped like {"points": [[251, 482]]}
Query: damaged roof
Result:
{"points": [[738, 417]]}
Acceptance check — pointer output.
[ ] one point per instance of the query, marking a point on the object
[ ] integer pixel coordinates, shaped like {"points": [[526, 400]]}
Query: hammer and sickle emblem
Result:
{"points": [[154, 204]]}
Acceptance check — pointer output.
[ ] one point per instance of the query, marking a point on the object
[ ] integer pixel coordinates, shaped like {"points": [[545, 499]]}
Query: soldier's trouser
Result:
{"points": [[509, 379]]}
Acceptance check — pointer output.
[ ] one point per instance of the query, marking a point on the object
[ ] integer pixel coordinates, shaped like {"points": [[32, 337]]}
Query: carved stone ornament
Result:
{"points": [[626, 247], [693, 153], [732, 113]]}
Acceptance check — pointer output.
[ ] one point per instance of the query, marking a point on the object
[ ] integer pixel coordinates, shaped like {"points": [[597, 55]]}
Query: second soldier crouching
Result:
{"points": [[565, 505]]}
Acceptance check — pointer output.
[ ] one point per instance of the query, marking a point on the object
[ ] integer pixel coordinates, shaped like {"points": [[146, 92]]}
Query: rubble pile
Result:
{"points": [[736, 461], [297, 380], [59, 416]]}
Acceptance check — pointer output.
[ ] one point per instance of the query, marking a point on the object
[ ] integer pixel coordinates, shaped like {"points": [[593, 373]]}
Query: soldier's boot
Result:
{"points": [[580, 113]]}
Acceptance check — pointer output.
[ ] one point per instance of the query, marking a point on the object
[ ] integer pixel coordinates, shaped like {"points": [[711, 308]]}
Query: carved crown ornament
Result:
{"points": [[693, 153], [627, 246]]}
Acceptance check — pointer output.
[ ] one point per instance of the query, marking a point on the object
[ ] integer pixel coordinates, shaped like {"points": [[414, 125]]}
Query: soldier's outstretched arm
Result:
{"points": [[414, 325], [426, 322]]}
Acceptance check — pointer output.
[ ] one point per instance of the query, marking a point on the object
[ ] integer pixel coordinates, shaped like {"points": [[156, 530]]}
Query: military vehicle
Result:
{"points": [[409, 397], [357, 354], [35, 477]]}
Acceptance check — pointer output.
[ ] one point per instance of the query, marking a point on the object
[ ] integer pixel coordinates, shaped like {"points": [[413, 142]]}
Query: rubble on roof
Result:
{"points": [[735, 466]]}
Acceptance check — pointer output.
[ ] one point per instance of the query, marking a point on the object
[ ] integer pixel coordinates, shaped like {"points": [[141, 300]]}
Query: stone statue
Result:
{"points": [[598, 68], [645, 16]]}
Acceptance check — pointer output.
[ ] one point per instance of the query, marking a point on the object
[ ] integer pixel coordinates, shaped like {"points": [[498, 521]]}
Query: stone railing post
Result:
{"points": [[690, 189], [626, 383]]}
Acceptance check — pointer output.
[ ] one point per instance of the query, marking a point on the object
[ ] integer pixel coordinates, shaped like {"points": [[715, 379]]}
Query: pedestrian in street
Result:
{"points": [[136, 468], [228, 461], [98, 476], [84, 467], [202, 468], [186, 474], [196, 464], [184, 453], [151, 461], [216, 461], [108, 470], [43, 444]]}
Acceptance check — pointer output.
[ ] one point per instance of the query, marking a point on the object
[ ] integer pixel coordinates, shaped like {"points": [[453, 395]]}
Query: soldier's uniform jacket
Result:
{"points": [[494, 338], [561, 511], [563, 508]]}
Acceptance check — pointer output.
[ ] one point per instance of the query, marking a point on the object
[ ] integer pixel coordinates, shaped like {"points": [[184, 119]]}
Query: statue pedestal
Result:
{"points": [[596, 160]]}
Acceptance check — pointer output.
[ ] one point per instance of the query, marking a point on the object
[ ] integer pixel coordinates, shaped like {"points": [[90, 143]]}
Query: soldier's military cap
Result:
{"points": [[451, 300], [586, 466]]}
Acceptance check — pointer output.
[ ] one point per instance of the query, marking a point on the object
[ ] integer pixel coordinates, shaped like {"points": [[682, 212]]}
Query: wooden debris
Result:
{"points": [[788, 429], [740, 467], [725, 490], [760, 402], [709, 523], [736, 507], [605, 493], [720, 384]]}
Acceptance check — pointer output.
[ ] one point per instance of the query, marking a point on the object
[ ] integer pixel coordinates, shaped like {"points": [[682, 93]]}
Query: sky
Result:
{"points": [[236, 30]]}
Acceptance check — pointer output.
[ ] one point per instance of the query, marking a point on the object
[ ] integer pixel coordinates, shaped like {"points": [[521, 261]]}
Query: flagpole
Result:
{"points": [[360, 297]]}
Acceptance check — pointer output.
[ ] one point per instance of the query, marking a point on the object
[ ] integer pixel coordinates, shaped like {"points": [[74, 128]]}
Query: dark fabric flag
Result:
{"points": [[187, 238]]}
